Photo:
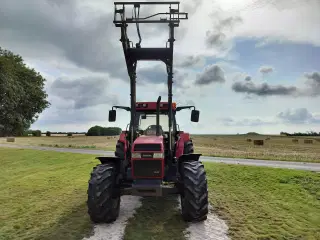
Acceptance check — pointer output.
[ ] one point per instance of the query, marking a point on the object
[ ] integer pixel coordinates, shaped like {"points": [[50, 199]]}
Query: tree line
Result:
{"points": [[93, 131], [103, 131], [310, 133]]}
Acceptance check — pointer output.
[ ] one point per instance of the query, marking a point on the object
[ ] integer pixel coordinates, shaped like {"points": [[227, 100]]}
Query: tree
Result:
{"points": [[36, 133], [94, 131], [22, 95], [103, 131]]}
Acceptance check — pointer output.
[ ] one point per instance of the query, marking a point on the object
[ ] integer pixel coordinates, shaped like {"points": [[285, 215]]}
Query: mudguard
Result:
{"points": [[116, 160], [104, 159], [189, 157]]}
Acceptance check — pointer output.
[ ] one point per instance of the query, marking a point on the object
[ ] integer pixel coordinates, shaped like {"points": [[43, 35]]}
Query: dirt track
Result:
{"points": [[115, 231], [251, 162]]}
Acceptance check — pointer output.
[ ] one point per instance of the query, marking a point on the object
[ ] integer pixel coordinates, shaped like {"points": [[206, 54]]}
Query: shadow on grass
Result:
{"points": [[74, 225], [158, 218]]}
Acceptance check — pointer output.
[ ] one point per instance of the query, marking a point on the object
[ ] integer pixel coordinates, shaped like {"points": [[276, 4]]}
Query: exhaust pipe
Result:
{"points": [[158, 116]]}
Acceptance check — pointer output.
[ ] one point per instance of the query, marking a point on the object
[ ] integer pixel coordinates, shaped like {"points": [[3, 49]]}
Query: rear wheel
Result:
{"points": [[194, 192], [103, 199]]}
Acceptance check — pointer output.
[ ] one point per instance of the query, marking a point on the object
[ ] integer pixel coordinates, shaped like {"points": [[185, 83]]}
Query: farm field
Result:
{"points": [[256, 202], [237, 146]]}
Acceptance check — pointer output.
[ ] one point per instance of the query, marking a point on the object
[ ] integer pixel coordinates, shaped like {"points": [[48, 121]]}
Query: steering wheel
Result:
{"points": [[152, 129]]}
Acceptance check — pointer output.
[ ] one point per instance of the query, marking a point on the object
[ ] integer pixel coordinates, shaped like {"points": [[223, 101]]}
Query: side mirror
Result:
{"points": [[195, 115], [112, 115]]}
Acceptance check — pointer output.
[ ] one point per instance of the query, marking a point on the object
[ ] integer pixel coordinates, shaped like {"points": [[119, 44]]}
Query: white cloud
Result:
{"points": [[297, 22], [77, 40]]}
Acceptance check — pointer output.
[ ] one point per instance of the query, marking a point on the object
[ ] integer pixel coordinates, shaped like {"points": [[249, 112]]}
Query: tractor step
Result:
{"points": [[150, 191]]}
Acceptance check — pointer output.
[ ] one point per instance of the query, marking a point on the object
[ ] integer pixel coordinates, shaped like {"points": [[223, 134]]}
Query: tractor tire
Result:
{"points": [[188, 147], [194, 192], [120, 150], [103, 199]]}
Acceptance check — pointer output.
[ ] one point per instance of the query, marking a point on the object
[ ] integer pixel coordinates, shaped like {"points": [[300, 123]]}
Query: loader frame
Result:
{"points": [[134, 54], [165, 169]]}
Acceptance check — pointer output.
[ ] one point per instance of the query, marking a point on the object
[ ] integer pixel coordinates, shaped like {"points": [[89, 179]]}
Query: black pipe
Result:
{"points": [[158, 116], [170, 76], [133, 101]]}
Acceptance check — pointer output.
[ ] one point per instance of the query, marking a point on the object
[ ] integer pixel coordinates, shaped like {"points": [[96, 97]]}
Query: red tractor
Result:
{"points": [[153, 157]]}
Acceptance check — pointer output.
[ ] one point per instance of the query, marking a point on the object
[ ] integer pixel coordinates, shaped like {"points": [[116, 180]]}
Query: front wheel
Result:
{"points": [[103, 200], [194, 192]]}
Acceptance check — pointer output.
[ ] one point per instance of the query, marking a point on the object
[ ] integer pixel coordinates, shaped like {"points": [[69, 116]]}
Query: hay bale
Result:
{"points": [[295, 140], [249, 140], [267, 139], [308, 141], [258, 142], [11, 139], [318, 140]]}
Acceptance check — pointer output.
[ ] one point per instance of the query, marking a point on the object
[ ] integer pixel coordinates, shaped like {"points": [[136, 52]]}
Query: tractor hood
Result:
{"points": [[143, 140]]}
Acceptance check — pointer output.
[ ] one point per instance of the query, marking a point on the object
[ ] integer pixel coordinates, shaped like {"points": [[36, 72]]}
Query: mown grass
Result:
{"points": [[264, 203], [158, 219], [43, 194], [275, 148], [234, 146]]}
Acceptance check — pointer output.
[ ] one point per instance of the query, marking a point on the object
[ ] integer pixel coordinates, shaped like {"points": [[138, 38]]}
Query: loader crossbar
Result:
{"points": [[174, 14]]}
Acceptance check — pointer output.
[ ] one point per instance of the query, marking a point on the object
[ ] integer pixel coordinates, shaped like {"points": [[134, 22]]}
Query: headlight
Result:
{"points": [[136, 155], [158, 155]]}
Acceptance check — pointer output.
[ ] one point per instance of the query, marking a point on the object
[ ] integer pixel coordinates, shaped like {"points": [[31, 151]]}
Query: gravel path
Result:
{"points": [[213, 228], [115, 230], [251, 162]]}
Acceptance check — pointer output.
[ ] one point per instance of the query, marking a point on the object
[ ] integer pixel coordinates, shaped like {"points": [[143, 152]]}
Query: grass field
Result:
{"points": [[265, 203], [43, 195], [274, 148]]}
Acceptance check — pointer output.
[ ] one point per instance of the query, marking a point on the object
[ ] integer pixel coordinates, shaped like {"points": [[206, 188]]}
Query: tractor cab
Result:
{"points": [[150, 124], [147, 125]]}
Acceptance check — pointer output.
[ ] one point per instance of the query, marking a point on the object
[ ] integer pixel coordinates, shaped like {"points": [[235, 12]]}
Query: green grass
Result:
{"points": [[158, 219], [266, 203], [43, 194]]}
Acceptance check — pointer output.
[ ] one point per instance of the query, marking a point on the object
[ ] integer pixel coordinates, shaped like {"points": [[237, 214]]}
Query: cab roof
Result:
{"points": [[152, 106]]}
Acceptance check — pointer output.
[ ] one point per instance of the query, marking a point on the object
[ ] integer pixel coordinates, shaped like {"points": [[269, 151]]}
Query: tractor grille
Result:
{"points": [[147, 147], [147, 168]]}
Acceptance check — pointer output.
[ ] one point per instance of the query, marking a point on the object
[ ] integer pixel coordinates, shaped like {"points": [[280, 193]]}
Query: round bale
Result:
{"points": [[11, 139]]}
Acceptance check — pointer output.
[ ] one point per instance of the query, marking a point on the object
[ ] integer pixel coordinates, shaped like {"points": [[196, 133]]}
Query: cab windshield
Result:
{"points": [[147, 123]]}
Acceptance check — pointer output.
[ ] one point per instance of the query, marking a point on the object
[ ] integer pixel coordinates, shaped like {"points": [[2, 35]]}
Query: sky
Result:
{"points": [[246, 65]]}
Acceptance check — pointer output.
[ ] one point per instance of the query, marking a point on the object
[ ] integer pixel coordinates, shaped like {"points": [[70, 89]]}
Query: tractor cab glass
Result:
{"points": [[147, 123]]}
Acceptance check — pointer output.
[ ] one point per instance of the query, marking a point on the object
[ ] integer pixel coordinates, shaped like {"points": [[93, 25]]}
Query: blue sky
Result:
{"points": [[290, 59], [276, 47]]}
